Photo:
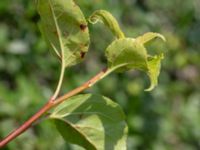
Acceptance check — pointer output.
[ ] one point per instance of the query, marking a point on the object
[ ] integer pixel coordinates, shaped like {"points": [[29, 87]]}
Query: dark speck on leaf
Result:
{"points": [[83, 27], [82, 54]]}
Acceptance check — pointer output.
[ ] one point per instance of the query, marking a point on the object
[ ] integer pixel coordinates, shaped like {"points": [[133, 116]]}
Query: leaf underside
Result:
{"points": [[91, 121]]}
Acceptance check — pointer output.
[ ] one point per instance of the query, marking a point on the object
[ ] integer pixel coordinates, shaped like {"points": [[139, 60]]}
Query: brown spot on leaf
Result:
{"points": [[83, 27], [83, 54]]}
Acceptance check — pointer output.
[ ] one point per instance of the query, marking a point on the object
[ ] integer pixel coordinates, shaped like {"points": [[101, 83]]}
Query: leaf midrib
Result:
{"points": [[57, 29]]}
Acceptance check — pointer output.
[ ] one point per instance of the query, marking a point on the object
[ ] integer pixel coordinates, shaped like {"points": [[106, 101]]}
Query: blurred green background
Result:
{"points": [[168, 118]]}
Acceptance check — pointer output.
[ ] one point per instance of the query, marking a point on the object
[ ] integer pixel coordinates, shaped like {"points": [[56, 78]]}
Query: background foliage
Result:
{"points": [[165, 119]]}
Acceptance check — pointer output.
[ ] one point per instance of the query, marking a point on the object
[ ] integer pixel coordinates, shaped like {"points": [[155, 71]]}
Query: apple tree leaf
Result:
{"points": [[129, 53], [154, 64], [91, 121], [108, 19], [65, 29], [149, 36]]}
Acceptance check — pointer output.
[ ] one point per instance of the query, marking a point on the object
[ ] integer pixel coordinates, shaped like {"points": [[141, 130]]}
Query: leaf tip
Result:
{"points": [[150, 36], [161, 36], [154, 70], [152, 86]]}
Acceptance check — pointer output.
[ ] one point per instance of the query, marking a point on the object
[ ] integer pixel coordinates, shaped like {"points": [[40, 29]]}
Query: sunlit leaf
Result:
{"points": [[91, 121], [65, 29], [154, 64], [148, 37], [107, 18], [127, 54]]}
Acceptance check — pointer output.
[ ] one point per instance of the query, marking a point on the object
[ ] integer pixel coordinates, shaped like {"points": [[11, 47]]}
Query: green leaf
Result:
{"points": [[65, 29], [128, 53], [154, 70], [91, 121], [107, 18], [125, 54], [148, 37]]}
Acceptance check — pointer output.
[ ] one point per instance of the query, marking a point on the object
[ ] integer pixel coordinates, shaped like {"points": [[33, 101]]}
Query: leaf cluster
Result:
{"points": [[91, 120]]}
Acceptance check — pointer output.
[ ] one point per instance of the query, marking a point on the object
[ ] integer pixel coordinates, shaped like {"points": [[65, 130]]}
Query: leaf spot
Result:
{"points": [[83, 27], [82, 54]]}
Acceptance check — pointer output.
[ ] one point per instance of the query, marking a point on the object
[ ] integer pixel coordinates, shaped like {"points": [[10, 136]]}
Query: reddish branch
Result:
{"points": [[50, 104]]}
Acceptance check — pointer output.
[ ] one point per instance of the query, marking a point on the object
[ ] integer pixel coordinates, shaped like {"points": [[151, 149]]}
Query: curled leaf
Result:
{"points": [[107, 18], [125, 54], [64, 28], [148, 37], [154, 64], [128, 53], [91, 121]]}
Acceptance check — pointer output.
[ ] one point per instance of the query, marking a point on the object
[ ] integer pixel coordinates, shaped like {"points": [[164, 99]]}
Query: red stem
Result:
{"points": [[51, 103], [26, 125]]}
